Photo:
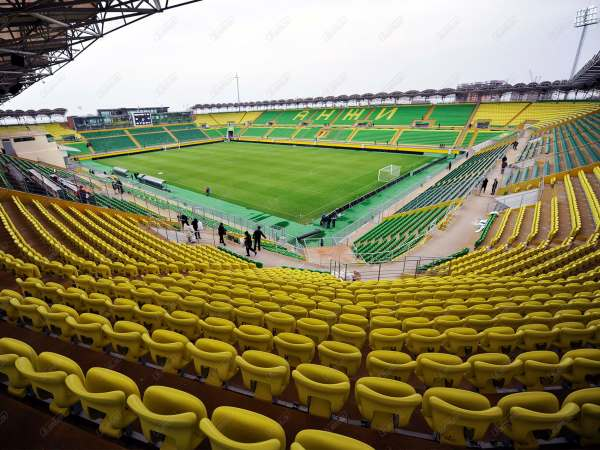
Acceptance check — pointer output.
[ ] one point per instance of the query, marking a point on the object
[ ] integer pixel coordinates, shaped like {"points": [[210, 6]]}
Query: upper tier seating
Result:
{"points": [[543, 114], [498, 114]]}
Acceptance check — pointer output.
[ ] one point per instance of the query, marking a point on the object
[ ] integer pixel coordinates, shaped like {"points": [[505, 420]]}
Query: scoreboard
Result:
{"points": [[140, 119]]}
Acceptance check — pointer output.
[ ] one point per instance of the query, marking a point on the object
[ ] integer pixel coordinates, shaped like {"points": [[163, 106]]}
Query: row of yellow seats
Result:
{"points": [[561, 266], [172, 348], [179, 417], [283, 316], [459, 417]]}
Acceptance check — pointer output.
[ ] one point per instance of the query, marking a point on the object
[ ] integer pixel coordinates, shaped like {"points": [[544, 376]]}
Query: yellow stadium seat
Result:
{"points": [[280, 322], [97, 303], [441, 369], [47, 376], [183, 322], [386, 339], [585, 369], [316, 329], [55, 320], [457, 414], [501, 339], [126, 339], [10, 350], [167, 349], [232, 428], [338, 355], [326, 440], [542, 368], [172, 413], [526, 413], [385, 403], [462, 341], [295, 348], [354, 319], [264, 373], [586, 424], [323, 389], [106, 391], [252, 337], [537, 336], [214, 360], [151, 316], [349, 334], [390, 364], [573, 335], [249, 315], [88, 329], [28, 311], [122, 309], [218, 328], [220, 310], [424, 340], [490, 371]]}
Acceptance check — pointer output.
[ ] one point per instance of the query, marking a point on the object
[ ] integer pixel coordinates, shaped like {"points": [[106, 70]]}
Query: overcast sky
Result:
{"points": [[291, 48]]}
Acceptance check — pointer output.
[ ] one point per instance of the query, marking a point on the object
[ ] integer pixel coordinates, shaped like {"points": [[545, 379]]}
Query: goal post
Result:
{"points": [[388, 173]]}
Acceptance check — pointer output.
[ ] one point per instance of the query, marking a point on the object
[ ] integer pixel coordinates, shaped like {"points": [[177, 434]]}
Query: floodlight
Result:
{"points": [[583, 19]]}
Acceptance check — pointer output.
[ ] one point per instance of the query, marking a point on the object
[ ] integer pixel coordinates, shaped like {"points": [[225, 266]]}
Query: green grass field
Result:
{"points": [[297, 183]]}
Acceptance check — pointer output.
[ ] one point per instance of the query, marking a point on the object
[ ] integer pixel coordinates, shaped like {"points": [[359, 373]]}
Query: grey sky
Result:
{"points": [[290, 48]]}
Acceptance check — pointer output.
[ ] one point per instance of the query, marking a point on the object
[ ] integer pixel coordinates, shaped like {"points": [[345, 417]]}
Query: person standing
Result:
{"points": [[222, 233], [449, 166], [494, 186], [207, 191], [248, 243], [197, 226], [484, 184], [257, 235], [334, 217]]}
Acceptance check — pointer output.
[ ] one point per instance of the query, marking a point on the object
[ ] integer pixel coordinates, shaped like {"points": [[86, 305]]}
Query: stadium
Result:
{"points": [[414, 268]]}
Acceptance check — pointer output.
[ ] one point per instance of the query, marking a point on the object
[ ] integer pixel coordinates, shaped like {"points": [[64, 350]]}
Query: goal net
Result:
{"points": [[388, 173]]}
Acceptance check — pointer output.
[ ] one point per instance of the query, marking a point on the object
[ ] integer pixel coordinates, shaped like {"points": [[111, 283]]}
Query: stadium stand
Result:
{"points": [[257, 132], [154, 139], [215, 132], [428, 137], [281, 133], [498, 114], [307, 133], [374, 136], [452, 115], [398, 115], [543, 114], [337, 134], [397, 234], [324, 116], [350, 116]]}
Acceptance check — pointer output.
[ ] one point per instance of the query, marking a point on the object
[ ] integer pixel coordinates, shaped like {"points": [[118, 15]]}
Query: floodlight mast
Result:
{"points": [[237, 85], [583, 19]]}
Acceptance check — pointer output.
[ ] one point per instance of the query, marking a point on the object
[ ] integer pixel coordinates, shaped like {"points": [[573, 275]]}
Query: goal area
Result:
{"points": [[388, 173]]}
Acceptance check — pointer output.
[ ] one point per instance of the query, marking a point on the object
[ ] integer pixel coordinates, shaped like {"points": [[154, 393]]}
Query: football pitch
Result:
{"points": [[296, 183]]}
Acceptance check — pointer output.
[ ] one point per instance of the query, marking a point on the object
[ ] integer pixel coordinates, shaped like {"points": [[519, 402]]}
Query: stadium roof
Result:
{"points": [[589, 74], [38, 37]]}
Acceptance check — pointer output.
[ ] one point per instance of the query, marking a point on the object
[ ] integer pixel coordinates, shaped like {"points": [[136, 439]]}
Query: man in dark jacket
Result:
{"points": [[494, 186], [222, 233], [257, 236]]}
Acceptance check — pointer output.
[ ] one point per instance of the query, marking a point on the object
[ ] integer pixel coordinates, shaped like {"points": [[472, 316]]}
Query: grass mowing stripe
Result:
{"points": [[296, 183]]}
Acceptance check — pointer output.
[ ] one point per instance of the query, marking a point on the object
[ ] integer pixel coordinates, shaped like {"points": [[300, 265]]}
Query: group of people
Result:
{"points": [[251, 241], [484, 185], [328, 220], [191, 228], [117, 186]]}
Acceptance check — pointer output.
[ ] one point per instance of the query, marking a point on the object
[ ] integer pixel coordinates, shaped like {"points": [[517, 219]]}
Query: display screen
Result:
{"points": [[142, 119]]}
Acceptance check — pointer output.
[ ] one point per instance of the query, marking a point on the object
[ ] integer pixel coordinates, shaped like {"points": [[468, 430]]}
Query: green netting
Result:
{"points": [[374, 136], [398, 115], [452, 115], [427, 137]]}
